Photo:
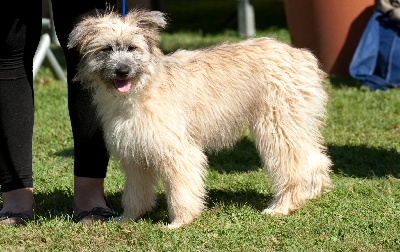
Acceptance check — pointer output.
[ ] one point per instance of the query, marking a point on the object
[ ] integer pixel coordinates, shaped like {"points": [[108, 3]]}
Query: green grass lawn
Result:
{"points": [[361, 213]]}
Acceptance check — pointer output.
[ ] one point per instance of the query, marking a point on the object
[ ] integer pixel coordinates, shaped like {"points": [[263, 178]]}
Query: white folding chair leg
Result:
{"points": [[43, 51], [40, 54], [57, 69]]}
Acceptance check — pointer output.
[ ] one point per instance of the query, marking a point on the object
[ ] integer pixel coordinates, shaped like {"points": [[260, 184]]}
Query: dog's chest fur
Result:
{"points": [[127, 130]]}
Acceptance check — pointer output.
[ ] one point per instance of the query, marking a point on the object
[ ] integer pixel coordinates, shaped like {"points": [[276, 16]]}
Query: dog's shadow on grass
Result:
{"points": [[216, 198], [241, 158], [66, 153], [352, 161], [364, 162]]}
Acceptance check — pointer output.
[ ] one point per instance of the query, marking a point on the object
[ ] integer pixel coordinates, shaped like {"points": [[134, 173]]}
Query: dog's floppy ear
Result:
{"points": [[74, 37], [81, 34], [148, 19], [86, 28]]}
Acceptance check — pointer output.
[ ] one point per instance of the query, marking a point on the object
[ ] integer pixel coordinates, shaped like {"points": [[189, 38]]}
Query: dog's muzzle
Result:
{"points": [[122, 82]]}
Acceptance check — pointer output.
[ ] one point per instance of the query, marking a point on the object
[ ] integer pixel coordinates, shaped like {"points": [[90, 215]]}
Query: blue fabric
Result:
{"points": [[376, 61]]}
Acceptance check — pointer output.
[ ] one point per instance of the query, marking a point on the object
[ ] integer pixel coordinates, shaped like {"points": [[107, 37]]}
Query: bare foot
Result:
{"points": [[89, 202], [20, 200], [18, 207], [89, 193]]}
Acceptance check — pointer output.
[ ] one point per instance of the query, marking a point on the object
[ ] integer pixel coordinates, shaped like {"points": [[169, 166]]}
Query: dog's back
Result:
{"points": [[229, 86]]}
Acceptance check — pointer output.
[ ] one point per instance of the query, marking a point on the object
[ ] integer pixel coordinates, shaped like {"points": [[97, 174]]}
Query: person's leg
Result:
{"points": [[91, 156], [16, 127], [19, 37]]}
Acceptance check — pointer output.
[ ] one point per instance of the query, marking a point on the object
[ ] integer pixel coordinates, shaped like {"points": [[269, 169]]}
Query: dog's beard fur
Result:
{"points": [[161, 112]]}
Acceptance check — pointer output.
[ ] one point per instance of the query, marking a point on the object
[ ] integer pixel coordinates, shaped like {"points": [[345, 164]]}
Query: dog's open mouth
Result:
{"points": [[122, 86]]}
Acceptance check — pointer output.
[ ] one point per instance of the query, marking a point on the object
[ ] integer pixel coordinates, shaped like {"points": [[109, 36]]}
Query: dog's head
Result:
{"points": [[116, 51]]}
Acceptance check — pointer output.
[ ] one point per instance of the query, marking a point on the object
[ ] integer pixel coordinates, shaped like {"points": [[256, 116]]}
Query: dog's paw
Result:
{"points": [[273, 211], [175, 225]]}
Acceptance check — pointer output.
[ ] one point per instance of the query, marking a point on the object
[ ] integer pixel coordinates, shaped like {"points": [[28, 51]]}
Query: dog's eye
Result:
{"points": [[131, 48], [107, 49]]}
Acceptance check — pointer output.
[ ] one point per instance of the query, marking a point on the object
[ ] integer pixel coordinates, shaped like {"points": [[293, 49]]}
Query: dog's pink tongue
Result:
{"points": [[123, 86]]}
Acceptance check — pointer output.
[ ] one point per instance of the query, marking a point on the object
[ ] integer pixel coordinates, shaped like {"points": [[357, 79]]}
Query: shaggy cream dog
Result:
{"points": [[160, 113]]}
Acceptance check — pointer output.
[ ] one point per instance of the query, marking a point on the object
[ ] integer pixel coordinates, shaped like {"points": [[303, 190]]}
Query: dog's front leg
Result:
{"points": [[138, 196], [183, 173]]}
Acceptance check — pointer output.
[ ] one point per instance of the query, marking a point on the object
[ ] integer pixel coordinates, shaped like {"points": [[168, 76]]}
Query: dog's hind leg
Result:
{"points": [[138, 195], [296, 161], [183, 173]]}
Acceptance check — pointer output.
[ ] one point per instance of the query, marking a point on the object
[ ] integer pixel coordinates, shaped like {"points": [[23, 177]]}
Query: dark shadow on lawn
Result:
{"points": [[241, 158], [365, 162], [54, 204], [352, 161], [238, 199], [343, 82], [67, 153]]}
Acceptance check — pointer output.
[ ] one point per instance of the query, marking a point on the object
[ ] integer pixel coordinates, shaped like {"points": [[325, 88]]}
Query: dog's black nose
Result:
{"points": [[122, 71]]}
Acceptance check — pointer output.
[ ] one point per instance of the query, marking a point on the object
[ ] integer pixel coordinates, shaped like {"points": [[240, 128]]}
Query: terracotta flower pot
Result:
{"points": [[330, 29]]}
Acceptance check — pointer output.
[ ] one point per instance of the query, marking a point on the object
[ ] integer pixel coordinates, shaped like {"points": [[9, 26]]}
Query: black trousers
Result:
{"points": [[20, 32]]}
